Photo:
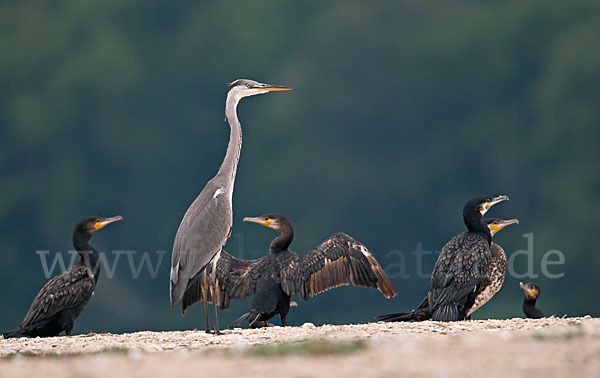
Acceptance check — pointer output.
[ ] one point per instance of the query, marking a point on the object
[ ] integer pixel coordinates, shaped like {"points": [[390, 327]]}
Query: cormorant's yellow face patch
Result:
{"points": [[101, 222], [498, 225], [495, 227], [266, 222], [530, 294]]}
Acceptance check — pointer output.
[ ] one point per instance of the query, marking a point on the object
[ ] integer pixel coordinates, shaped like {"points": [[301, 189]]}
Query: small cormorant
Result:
{"points": [[462, 270], [62, 299], [532, 292], [339, 260]]}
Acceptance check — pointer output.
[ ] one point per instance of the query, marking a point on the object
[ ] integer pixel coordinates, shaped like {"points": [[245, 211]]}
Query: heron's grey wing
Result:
{"points": [[339, 260], [233, 278], [203, 231], [459, 271], [69, 289]]}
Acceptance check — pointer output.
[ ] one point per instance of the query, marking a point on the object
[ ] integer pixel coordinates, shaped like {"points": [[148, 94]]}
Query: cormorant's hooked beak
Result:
{"points": [[107, 221], [492, 202], [259, 220], [529, 291], [495, 227]]}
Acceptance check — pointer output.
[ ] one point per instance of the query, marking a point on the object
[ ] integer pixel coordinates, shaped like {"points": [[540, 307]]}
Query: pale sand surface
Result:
{"points": [[491, 348]]}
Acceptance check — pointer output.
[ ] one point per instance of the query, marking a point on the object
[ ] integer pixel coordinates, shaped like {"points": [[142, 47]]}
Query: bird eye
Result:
{"points": [[249, 86]]}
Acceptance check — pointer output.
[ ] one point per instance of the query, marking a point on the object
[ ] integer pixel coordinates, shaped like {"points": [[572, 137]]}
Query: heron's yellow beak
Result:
{"points": [[272, 88], [106, 221]]}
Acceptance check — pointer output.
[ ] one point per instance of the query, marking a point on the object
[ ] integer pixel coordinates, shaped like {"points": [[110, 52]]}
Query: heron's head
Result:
{"points": [[495, 225], [482, 204], [245, 87], [532, 291], [275, 221], [92, 224]]}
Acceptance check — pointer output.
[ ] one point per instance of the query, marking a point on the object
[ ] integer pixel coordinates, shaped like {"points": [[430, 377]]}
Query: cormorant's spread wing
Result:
{"points": [[67, 290], [201, 234], [339, 260], [459, 272], [233, 278]]}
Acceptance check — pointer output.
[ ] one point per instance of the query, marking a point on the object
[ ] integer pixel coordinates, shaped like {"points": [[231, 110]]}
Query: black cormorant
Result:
{"points": [[461, 272], [62, 299], [339, 260], [497, 270], [532, 292]]}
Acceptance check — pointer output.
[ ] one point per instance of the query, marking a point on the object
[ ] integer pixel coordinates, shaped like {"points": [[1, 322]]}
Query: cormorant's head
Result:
{"points": [[495, 224], [92, 224], [245, 87], [275, 221], [532, 291], [482, 204]]}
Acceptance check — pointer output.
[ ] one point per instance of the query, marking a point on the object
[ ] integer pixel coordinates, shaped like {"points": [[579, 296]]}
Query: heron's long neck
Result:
{"points": [[229, 166]]}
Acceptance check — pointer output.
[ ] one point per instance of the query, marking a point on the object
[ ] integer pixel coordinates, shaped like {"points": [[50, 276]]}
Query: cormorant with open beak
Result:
{"points": [[464, 269]]}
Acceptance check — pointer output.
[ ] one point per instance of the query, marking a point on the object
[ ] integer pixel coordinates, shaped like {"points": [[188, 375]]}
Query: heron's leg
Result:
{"points": [[206, 325], [216, 321]]}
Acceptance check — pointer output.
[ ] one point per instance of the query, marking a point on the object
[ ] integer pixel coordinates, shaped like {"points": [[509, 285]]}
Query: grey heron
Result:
{"points": [[206, 224]]}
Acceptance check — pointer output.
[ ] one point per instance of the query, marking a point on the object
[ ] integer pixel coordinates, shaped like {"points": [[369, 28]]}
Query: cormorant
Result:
{"points": [[462, 271], [497, 270], [496, 275], [62, 299], [532, 292], [339, 260]]}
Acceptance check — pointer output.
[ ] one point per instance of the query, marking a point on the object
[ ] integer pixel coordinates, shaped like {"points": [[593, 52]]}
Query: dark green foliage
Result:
{"points": [[401, 111]]}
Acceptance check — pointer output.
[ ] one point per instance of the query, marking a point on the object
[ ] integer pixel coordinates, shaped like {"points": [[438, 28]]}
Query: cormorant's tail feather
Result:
{"points": [[418, 315], [249, 317], [15, 333], [446, 313]]}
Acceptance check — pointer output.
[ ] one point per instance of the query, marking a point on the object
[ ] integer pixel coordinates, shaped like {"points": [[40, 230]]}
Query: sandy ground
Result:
{"points": [[492, 348]]}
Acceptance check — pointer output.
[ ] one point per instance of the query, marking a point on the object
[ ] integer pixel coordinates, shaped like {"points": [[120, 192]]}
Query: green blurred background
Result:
{"points": [[401, 111]]}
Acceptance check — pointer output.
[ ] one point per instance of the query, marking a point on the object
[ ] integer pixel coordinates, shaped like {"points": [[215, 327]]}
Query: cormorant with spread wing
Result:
{"points": [[532, 292], [463, 271], [62, 299], [339, 260]]}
